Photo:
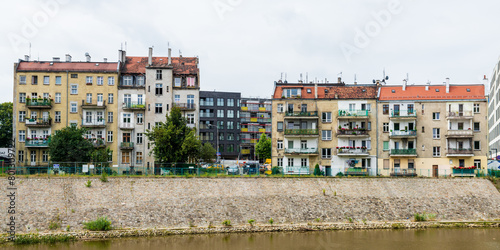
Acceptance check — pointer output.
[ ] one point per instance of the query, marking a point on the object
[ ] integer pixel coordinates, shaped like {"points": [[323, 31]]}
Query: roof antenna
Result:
{"points": [[355, 80], [281, 78], [125, 45], [307, 77], [30, 51]]}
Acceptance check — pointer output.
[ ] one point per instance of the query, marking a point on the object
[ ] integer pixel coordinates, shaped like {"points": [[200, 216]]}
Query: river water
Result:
{"points": [[480, 239]]}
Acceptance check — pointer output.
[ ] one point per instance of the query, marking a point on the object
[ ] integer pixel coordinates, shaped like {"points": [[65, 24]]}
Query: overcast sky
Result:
{"points": [[244, 45]]}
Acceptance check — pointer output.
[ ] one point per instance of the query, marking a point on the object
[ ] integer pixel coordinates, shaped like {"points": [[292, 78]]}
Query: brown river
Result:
{"points": [[480, 239]]}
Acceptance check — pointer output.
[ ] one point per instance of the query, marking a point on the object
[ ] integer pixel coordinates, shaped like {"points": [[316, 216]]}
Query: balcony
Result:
{"points": [[134, 106], [184, 106], [37, 143], [94, 123], [38, 123], [207, 115], [126, 145], [126, 125], [301, 115], [98, 143], [403, 134], [255, 119], [303, 132], [352, 171], [409, 172], [96, 105], [40, 103], [301, 151], [459, 134], [352, 133], [300, 170], [351, 151], [404, 152], [404, 114], [353, 114], [460, 152], [464, 172], [460, 115]]}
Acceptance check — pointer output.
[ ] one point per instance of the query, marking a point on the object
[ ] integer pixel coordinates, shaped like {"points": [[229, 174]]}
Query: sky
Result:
{"points": [[244, 46]]}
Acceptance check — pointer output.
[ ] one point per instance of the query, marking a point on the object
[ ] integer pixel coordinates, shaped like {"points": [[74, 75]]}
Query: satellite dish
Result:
{"points": [[387, 78]]}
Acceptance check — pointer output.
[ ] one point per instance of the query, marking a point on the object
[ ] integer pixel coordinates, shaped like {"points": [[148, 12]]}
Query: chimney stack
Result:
{"points": [[27, 58], [105, 59], [339, 80], [404, 85], [486, 84], [315, 91], [68, 58], [87, 57], [150, 57], [427, 86], [447, 85], [169, 56]]}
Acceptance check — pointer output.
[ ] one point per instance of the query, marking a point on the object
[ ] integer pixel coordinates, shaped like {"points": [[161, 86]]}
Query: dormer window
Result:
{"points": [[289, 93], [468, 90], [309, 91], [437, 90], [393, 91]]}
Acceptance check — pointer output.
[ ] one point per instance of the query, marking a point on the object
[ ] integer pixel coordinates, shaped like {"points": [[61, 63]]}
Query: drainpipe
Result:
{"points": [[378, 132], [67, 97]]}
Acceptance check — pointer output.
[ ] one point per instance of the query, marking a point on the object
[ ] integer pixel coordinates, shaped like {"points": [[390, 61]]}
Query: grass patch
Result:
{"points": [[226, 223], [88, 184], [424, 217], [104, 177], [101, 224], [24, 239], [397, 226]]}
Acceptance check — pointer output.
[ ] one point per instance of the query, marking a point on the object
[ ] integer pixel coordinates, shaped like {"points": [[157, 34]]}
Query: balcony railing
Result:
{"points": [[460, 151], [464, 172], [301, 132], [91, 105], [356, 171], [352, 132], [39, 103], [97, 142], [93, 123], [296, 170], [303, 151], [460, 115], [133, 105], [184, 106], [411, 151], [407, 172], [127, 145], [404, 133], [353, 113], [404, 114], [351, 151], [40, 122], [205, 103], [207, 115], [255, 119], [302, 114], [126, 125], [460, 133], [37, 142]]}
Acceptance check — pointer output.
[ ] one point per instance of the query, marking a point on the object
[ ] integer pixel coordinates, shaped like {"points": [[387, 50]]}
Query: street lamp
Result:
{"points": [[217, 138]]}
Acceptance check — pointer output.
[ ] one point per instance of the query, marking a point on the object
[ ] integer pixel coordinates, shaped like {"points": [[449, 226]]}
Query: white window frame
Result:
{"points": [[325, 154], [111, 80], [89, 79], [328, 117], [74, 89], [111, 98], [58, 80], [436, 116], [436, 151], [110, 136], [46, 80], [436, 133], [58, 98], [327, 136], [280, 144], [280, 108], [22, 135], [73, 107]]}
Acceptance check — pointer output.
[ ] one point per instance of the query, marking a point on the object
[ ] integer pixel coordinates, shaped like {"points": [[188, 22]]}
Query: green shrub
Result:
{"points": [[271, 221], [101, 224], [53, 225], [340, 174], [276, 170], [317, 171], [104, 177], [88, 184], [23, 239], [424, 217], [350, 219], [226, 223], [251, 221]]}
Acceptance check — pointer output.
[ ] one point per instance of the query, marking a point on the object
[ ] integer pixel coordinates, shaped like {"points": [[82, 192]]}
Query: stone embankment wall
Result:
{"points": [[179, 202]]}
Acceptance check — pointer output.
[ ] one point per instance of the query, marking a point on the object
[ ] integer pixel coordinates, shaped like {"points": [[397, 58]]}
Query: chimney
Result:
{"points": [[87, 57], [404, 85], [105, 59], [427, 86], [315, 91], [486, 85], [447, 85], [27, 58], [150, 57], [56, 59], [68, 58], [378, 83], [339, 80], [169, 56]]}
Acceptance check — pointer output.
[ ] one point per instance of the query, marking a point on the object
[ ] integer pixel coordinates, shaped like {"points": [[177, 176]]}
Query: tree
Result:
{"points": [[6, 124], [207, 152], [69, 145], [191, 146], [263, 147], [317, 171]]}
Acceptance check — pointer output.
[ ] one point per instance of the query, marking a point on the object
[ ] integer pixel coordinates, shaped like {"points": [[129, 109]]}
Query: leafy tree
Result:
{"points": [[68, 145], [100, 155], [207, 152], [317, 171], [263, 147], [191, 146], [6, 124]]}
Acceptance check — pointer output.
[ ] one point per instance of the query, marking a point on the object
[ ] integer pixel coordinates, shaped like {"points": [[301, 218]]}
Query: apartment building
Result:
{"points": [[220, 122], [331, 125], [494, 112], [51, 95], [430, 130], [255, 120]]}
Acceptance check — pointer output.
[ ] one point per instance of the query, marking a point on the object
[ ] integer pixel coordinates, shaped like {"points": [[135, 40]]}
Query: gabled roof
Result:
{"points": [[180, 65], [67, 66], [457, 92], [330, 91]]}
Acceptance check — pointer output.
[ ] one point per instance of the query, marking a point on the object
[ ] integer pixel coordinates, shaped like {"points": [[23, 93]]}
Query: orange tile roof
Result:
{"points": [[181, 65], [68, 66], [341, 91], [457, 92]]}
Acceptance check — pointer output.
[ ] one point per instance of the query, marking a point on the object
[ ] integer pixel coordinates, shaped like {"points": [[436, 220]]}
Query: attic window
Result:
{"points": [[393, 91], [364, 90], [468, 90], [326, 90], [437, 90], [309, 91]]}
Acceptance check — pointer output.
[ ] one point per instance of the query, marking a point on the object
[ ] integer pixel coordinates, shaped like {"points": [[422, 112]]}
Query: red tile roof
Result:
{"points": [[68, 66], [333, 91], [181, 65], [457, 92]]}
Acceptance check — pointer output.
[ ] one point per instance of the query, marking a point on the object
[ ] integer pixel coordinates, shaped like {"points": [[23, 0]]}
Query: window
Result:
{"points": [[22, 79], [280, 108], [111, 98], [220, 124], [159, 89], [159, 75], [230, 136], [280, 144], [280, 126], [89, 97], [303, 162], [34, 80], [476, 108], [89, 80], [111, 80], [138, 157], [177, 82], [158, 108], [100, 80], [477, 164], [58, 116], [73, 108], [33, 115], [436, 151], [34, 95], [220, 113], [366, 163], [230, 102], [22, 97], [477, 145], [139, 138], [191, 81], [221, 136], [280, 162], [74, 75], [110, 136], [127, 118], [140, 80], [386, 127], [177, 98], [477, 126], [20, 156], [230, 114], [126, 157], [140, 118], [127, 98], [45, 156], [326, 153], [190, 118], [326, 135], [58, 80], [110, 117], [397, 163], [423, 129], [22, 135], [386, 163], [230, 125], [74, 89], [423, 106], [326, 116], [22, 116], [435, 116], [46, 80], [58, 98], [290, 162], [385, 109], [435, 133], [386, 145], [220, 102]]}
